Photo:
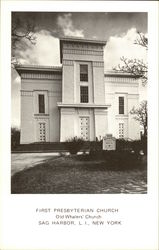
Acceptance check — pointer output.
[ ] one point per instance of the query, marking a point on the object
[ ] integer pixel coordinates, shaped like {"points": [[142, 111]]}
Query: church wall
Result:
{"points": [[127, 88], [27, 122], [98, 82], [30, 117], [68, 82], [67, 121]]}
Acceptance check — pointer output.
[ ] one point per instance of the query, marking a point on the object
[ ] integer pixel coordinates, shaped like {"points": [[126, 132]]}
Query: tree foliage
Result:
{"points": [[136, 67], [140, 114], [21, 33], [15, 137]]}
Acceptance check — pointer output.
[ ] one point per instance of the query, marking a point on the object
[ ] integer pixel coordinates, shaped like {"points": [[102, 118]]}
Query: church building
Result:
{"points": [[77, 99]]}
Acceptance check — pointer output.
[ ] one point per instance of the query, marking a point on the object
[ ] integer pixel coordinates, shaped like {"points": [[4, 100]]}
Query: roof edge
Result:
{"points": [[23, 68], [82, 40], [120, 73]]}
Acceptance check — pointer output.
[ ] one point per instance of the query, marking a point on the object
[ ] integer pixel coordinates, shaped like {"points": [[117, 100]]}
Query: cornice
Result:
{"points": [[120, 79], [98, 64], [83, 52], [68, 62], [41, 76], [113, 73], [26, 93], [82, 105], [82, 40], [38, 69]]}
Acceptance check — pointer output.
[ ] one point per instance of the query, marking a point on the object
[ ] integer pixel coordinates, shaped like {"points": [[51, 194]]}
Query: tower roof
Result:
{"points": [[79, 40]]}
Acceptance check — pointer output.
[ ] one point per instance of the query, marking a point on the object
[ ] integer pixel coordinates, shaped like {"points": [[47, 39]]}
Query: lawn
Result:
{"points": [[81, 174]]}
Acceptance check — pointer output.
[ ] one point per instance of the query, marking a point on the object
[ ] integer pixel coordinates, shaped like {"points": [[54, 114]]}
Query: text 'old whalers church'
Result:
{"points": [[77, 99]]}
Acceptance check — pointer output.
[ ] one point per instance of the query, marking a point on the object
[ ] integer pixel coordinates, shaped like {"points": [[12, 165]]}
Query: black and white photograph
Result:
{"points": [[79, 102], [79, 125]]}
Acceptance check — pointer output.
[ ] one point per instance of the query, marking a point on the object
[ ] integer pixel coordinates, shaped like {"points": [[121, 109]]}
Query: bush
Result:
{"points": [[116, 160], [130, 145], [144, 145], [74, 145], [95, 146], [15, 137], [123, 144]]}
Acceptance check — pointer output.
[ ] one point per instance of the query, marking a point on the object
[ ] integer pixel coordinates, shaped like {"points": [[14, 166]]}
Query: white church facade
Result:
{"points": [[78, 98]]}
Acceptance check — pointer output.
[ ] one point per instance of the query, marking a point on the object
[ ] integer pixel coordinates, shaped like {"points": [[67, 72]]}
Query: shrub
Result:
{"points": [[122, 144], [116, 160], [74, 145], [144, 145], [95, 146], [15, 137], [136, 146], [124, 160], [130, 145]]}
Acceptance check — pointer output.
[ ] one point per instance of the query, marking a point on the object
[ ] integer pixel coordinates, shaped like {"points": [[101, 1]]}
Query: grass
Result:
{"points": [[81, 174]]}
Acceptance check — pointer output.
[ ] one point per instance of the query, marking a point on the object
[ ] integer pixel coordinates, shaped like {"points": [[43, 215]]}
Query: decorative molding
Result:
{"points": [[40, 117], [41, 76], [83, 52], [41, 114], [36, 66], [121, 79], [68, 62], [26, 93], [50, 93], [80, 46], [120, 84], [83, 105], [98, 64]]}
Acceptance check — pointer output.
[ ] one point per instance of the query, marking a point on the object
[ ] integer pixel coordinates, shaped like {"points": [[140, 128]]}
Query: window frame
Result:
{"points": [[84, 97], [41, 106], [121, 130], [121, 105], [83, 73]]}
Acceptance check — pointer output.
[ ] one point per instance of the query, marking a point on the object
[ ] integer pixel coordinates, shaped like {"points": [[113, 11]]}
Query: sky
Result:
{"points": [[118, 29]]}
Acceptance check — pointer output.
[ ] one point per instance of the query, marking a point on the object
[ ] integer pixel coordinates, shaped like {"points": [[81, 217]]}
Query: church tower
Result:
{"points": [[83, 110]]}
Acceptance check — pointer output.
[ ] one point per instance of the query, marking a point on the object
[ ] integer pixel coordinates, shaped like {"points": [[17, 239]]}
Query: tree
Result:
{"points": [[140, 114], [15, 137], [21, 33], [136, 67]]}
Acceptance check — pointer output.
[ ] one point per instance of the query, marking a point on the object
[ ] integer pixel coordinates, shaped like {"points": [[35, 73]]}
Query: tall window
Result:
{"points": [[42, 131], [84, 128], [84, 94], [121, 130], [121, 105], [83, 72], [41, 104]]}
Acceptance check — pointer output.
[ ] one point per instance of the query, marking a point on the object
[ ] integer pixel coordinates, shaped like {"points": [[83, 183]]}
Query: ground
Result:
{"points": [[45, 173], [22, 161]]}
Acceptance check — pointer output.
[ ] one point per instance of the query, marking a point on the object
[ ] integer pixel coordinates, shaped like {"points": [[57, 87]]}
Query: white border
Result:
{"points": [[138, 212]]}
